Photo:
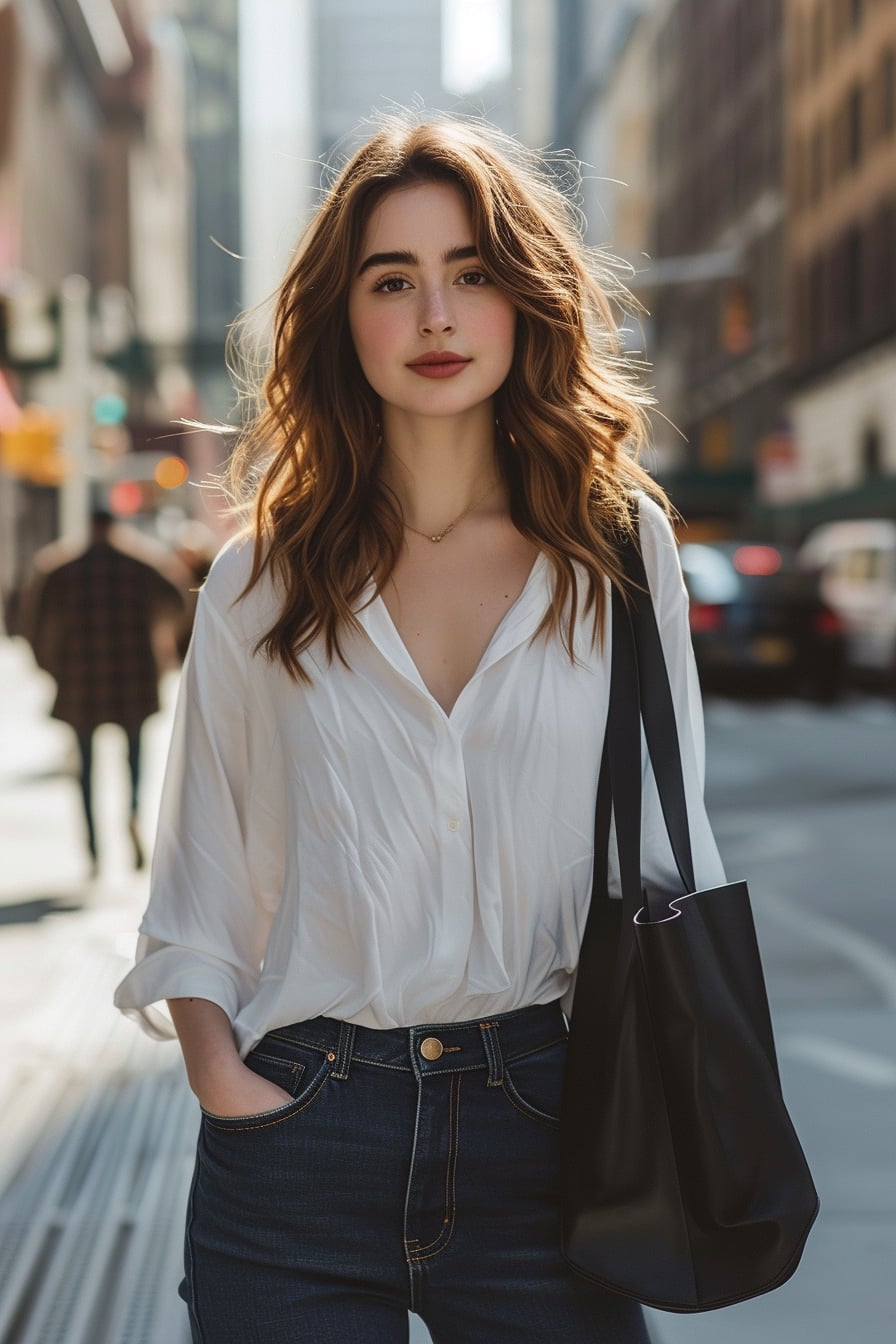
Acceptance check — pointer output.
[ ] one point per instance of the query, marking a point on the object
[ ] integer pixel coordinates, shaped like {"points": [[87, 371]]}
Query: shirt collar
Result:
{"points": [[518, 624]]}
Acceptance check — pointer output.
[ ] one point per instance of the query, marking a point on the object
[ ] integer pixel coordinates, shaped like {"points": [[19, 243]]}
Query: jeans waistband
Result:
{"points": [[434, 1047]]}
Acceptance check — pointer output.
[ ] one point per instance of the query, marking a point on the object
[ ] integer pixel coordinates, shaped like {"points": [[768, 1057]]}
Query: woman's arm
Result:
{"points": [[217, 871], [670, 602], [220, 1080]]}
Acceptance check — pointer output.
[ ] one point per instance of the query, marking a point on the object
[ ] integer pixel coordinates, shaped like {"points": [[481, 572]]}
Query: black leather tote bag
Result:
{"points": [[684, 1183]]}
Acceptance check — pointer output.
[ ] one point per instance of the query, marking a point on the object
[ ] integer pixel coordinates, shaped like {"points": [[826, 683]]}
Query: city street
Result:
{"points": [[97, 1127]]}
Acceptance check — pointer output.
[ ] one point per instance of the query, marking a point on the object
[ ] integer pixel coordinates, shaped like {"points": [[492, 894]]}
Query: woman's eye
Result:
{"points": [[390, 284], [474, 278]]}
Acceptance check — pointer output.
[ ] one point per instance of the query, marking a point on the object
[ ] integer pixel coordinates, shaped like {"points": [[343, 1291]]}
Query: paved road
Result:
{"points": [[96, 1126], [804, 803]]}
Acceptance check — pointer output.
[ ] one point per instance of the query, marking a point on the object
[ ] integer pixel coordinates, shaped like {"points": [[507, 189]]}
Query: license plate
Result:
{"points": [[771, 650]]}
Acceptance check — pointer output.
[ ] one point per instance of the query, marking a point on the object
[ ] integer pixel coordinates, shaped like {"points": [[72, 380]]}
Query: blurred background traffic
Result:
{"points": [[157, 161]]}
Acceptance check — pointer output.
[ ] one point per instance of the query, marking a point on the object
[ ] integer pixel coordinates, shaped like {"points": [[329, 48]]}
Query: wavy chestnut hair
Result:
{"points": [[570, 415]]}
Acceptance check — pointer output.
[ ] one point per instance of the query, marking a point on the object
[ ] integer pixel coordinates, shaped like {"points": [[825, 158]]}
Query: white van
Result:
{"points": [[857, 562]]}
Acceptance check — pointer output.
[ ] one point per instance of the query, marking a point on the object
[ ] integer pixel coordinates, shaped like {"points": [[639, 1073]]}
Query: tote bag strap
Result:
{"points": [[639, 692], [619, 787], [658, 714]]}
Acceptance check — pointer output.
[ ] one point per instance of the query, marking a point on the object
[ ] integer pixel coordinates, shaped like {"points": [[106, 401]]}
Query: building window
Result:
{"points": [[885, 278], [816, 307], [888, 93], [797, 50], [797, 175], [872, 452], [818, 37], [816, 172], [854, 123], [852, 280]]}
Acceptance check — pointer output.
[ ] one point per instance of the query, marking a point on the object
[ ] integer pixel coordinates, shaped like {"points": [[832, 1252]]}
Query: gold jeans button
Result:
{"points": [[431, 1048]]}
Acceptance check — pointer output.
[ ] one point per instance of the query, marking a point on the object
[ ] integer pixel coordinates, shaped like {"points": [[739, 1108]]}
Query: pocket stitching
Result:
{"points": [[525, 1107], [515, 1097], [267, 1118]]}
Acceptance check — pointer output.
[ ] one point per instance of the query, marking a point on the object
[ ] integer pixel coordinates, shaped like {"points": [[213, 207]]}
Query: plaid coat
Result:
{"points": [[93, 621]]}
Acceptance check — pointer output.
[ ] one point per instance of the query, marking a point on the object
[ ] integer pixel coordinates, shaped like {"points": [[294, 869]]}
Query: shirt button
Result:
{"points": [[453, 824]]}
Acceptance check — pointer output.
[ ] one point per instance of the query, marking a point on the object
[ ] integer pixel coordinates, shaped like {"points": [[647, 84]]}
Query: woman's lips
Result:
{"points": [[444, 364]]}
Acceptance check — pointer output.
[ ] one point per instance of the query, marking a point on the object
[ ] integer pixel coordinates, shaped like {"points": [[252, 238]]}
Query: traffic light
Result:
{"points": [[737, 318], [30, 450]]}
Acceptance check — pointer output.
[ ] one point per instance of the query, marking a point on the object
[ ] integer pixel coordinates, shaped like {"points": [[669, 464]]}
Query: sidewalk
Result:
{"points": [[96, 1124]]}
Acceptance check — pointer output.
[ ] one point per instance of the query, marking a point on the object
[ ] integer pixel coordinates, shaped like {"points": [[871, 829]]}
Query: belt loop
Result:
{"points": [[344, 1049], [492, 1046]]}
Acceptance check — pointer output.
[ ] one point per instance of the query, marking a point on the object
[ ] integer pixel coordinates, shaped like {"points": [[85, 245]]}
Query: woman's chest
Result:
{"points": [[446, 610]]}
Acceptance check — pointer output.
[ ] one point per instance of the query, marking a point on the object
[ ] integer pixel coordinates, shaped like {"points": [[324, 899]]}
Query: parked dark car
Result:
{"points": [[758, 621]]}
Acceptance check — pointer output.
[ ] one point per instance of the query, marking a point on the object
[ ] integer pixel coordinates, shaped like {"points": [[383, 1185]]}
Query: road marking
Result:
{"points": [[726, 713], [777, 841], [859, 1066], [871, 960]]}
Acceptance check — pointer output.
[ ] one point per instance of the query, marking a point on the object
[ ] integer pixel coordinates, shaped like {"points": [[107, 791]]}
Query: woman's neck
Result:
{"points": [[439, 469]]}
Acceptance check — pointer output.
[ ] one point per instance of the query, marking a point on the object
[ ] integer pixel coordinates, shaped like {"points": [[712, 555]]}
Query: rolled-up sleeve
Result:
{"points": [[217, 866], [670, 601]]}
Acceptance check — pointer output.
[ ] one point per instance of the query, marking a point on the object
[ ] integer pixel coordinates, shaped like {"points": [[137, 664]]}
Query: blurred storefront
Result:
{"points": [[841, 105]]}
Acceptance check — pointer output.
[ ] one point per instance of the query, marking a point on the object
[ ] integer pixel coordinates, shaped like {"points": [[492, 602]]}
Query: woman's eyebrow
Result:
{"points": [[411, 258]]}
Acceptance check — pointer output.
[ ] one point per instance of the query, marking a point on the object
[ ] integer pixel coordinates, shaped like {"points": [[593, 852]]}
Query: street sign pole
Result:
{"points": [[74, 295]]}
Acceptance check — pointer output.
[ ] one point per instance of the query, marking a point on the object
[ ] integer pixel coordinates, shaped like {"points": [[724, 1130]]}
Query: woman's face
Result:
{"points": [[433, 335]]}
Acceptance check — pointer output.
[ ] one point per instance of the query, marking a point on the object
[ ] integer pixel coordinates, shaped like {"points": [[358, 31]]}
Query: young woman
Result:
{"points": [[374, 856]]}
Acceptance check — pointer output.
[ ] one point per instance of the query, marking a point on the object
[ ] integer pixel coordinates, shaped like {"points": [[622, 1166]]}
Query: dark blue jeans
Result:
{"points": [[415, 1169]]}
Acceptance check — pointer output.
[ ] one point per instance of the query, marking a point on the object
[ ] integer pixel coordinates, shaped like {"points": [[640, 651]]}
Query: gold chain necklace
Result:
{"points": [[451, 526]]}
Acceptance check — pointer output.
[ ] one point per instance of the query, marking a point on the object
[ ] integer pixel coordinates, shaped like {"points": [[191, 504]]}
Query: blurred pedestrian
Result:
{"points": [[374, 857], [91, 622]]}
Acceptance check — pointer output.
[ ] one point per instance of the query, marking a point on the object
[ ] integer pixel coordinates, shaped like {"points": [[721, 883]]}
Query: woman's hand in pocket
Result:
{"points": [[239, 1092], [221, 1082]]}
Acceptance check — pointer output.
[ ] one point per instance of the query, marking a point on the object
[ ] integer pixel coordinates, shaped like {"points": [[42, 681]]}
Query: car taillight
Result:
{"points": [[705, 616], [759, 561], [827, 622]]}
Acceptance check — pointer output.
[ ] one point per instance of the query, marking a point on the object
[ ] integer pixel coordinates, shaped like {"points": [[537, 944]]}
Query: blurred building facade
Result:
{"points": [[606, 112], [841, 162], [676, 108], [741, 156], [210, 40], [94, 183], [366, 54], [531, 99], [720, 211], [311, 71], [344, 61]]}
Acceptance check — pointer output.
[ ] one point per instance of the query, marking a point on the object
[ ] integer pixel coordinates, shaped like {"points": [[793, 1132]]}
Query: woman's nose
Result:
{"points": [[435, 315]]}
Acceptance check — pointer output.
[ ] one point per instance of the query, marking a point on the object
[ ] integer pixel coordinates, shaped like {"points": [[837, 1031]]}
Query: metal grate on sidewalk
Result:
{"points": [[89, 1234], [97, 1135]]}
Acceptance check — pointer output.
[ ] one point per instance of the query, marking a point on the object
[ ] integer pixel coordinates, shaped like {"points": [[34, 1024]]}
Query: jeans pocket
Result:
{"points": [[533, 1082], [283, 1064]]}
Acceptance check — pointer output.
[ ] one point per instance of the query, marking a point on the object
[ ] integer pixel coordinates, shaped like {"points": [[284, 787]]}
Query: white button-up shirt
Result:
{"points": [[349, 849]]}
